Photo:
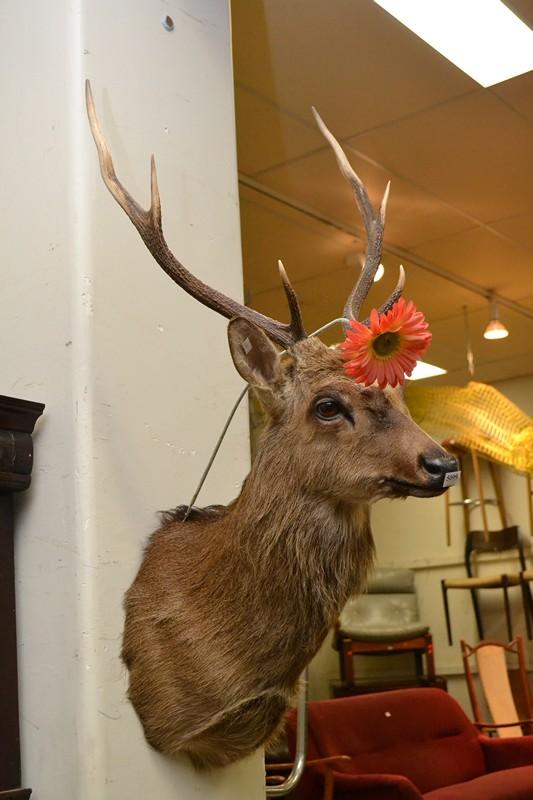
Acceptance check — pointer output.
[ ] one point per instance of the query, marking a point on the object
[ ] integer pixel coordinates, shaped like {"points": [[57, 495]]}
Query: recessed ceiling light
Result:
{"points": [[482, 37], [425, 370]]}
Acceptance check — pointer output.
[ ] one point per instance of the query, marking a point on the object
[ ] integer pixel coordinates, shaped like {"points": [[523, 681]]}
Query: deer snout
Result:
{"points": [[438, 466]]}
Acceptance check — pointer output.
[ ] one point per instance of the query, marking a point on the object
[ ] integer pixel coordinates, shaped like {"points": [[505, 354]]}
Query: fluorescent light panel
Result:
{"points": [[482, 37], [425, 370]]}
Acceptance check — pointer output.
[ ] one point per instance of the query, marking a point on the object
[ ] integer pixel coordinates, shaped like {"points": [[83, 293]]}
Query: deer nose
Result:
{"points": [[439, 466]]}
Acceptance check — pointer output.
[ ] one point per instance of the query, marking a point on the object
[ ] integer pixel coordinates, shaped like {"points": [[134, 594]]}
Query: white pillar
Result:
{"points": [[136, 375]]}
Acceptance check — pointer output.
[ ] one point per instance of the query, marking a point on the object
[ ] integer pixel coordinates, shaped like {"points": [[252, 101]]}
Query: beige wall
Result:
{"points": [[412, 533], [135, 375]]}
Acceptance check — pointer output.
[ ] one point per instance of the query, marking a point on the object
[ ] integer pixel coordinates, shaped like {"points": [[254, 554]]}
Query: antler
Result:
{"points": [[374, 227], [148, 223]]}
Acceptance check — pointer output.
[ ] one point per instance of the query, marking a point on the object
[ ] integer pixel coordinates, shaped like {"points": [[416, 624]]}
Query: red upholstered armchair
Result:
{"points": [[411, 744]]}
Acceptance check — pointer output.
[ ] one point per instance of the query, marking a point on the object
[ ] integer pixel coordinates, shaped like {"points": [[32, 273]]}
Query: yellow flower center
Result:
{"points": [[386, 345]]}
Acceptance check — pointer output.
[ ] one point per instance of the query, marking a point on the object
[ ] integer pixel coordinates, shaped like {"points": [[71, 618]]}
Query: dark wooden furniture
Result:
{"points": [[17, 420], [419, 646], [340, 689]]}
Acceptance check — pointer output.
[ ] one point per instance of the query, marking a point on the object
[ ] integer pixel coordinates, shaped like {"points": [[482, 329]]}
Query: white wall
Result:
{"points": [[136, 376], [412, 533]]}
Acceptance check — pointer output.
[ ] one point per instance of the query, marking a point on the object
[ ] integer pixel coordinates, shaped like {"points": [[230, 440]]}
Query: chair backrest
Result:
{"points": [[390, 600], [495, 683], [422, 734], [494, 542]]}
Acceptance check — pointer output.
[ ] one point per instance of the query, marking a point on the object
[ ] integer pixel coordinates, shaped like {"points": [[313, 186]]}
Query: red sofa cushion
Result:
{"points": [[507, 784], [422, 734], [367, 787], [506, 753]]}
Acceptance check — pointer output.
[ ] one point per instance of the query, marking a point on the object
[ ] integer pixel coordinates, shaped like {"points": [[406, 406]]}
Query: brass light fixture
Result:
{"points": [[495, 329]]}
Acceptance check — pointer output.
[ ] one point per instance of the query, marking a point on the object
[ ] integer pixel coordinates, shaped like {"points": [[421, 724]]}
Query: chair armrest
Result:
{"points": [[313, 762], [507, 753], [374, 787], [493, 726]]}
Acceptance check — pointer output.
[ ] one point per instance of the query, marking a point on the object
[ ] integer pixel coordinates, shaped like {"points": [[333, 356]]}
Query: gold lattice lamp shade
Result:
{"points": [[476, 416]]}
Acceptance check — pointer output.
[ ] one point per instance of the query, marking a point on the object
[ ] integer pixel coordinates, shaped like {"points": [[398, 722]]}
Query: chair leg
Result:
{"points": [[527, 603], [430, 660], [419, 664], [329, 784], [342, 661], [446, 610], [505, 587], [348, 663], [477, 614]]}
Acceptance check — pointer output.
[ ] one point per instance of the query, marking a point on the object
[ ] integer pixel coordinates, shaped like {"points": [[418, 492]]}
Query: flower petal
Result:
{"points": [[369, 365]]}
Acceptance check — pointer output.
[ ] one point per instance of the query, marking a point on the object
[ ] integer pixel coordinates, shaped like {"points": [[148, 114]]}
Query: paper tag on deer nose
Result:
{"points": [[451, 478]]}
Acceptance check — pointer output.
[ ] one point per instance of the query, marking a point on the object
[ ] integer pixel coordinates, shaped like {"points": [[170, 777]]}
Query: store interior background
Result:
{"points": [[460, 159], [136, 375]]}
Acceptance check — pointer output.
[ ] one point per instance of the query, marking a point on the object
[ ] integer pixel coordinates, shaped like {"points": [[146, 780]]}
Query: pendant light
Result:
{"points": [[495, 329]]}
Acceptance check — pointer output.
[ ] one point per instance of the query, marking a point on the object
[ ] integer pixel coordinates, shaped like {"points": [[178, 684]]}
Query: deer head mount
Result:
{"points": [[229, 606]]}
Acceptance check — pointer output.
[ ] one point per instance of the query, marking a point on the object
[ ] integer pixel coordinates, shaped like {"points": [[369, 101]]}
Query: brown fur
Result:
{"points": [[229, 607]]}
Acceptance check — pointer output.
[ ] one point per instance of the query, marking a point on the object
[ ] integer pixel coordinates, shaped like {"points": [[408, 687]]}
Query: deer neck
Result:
{"points": [[320, 546]]}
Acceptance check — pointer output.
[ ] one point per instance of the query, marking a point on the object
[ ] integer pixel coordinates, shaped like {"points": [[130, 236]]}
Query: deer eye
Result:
{"points": [[328, 409]]}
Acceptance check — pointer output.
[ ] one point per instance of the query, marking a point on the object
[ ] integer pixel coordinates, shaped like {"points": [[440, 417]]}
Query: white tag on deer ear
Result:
{"points": [[451, 478], [246, 345]]}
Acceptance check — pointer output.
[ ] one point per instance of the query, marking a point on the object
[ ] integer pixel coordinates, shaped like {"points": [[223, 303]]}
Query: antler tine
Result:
{"points": [[361, 196], [135, 212], [148, 224], [395, 295], [297, 326], [364, 283], [374, 223]]}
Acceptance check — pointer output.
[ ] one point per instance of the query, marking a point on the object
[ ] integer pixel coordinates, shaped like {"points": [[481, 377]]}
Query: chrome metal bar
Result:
{"points": [[301, 745]]}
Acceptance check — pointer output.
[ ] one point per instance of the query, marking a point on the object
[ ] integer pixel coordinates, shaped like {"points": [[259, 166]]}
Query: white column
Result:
{"points": [[135, 374]]}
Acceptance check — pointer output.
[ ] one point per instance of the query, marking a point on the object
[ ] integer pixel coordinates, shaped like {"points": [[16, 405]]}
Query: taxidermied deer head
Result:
{"points": [[230, 605]]}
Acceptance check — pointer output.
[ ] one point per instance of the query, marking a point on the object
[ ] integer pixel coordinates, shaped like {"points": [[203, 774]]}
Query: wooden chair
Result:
{"points": [[496, 686], [482, 541], [526, 579], [486, 542], [384, 621]]}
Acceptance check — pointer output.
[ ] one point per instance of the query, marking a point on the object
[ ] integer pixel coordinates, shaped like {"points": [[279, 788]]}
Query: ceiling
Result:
{"points": [[460, 159]]}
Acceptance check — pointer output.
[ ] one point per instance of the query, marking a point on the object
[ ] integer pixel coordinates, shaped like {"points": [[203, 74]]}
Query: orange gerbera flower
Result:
{"points": [[387, 350]]}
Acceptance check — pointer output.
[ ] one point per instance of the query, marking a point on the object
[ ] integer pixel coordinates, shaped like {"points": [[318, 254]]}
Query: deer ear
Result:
{"points": [[254, 355]]}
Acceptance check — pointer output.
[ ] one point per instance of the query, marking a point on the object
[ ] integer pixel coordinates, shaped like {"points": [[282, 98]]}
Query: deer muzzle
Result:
{"points": [[438, 473]]}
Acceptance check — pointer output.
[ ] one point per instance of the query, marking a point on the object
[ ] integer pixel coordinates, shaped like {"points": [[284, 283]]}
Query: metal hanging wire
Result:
{"points": [[468, 343], [338, 321]]}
